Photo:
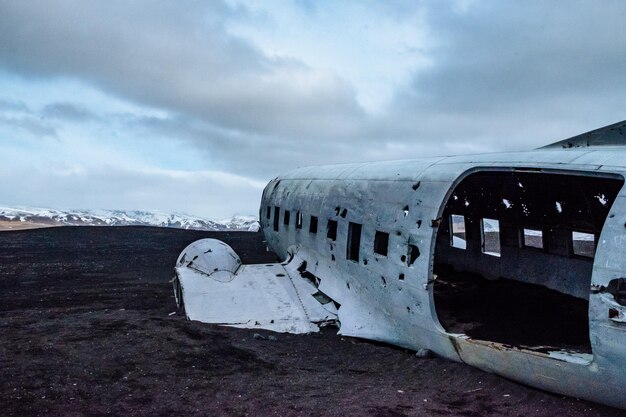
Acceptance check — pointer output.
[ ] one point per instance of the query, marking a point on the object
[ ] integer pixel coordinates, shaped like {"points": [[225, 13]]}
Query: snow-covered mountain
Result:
{"points": [[49, 217]]}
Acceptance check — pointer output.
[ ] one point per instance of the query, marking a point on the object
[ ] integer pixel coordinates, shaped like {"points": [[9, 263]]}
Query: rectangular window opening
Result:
{"points": [[457, 232], [490, 236], [268, 212], [276, 218], [533, 238], [381, 243], [354, 242], [313, 225], [286, 217], [331, 231], [583, 244], [298, 220]]}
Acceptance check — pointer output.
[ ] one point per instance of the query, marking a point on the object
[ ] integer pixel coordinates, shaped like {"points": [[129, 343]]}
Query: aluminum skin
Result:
{"points": [[382, 282]]}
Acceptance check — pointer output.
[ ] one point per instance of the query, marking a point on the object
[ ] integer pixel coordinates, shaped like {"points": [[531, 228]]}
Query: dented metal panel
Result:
{"points": [[385, 292], [272, 296]]}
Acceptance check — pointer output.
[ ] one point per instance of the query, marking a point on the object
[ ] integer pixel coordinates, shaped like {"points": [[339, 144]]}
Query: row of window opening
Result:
{"points": [[381, 239], [583, 244], [313, 223]]}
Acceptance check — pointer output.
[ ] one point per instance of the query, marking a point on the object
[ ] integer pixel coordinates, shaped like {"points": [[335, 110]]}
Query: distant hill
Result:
{"points": [[29, 217]]}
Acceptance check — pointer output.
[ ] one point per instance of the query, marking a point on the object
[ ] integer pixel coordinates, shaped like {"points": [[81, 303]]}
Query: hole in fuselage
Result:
{"points": [[513, 273]]}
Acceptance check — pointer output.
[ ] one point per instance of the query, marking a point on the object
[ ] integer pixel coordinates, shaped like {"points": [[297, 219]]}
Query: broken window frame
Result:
{"points": [[353, 242], [453, 233], [524, 242], [483, 240], [313, 225], [276, 218], [331, 230], [582, 254], [298, 219], [381, 243]]}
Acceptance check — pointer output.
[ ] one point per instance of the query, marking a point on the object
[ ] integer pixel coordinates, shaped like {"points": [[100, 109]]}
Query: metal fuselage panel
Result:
{"points": [[389, 298]]}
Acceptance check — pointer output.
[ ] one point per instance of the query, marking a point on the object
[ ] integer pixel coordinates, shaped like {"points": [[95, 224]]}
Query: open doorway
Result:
{"points": [[514, 256]]}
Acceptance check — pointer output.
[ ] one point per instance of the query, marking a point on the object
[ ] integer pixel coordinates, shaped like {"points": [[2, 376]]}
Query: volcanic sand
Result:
{"points": [[89, 327]]}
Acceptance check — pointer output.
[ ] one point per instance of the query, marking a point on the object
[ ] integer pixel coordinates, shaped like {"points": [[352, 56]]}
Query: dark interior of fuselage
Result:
{"points": [[514, 256]]}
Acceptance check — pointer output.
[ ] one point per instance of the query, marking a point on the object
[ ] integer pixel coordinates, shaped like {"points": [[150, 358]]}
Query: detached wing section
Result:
{"points": [[214, 287]]}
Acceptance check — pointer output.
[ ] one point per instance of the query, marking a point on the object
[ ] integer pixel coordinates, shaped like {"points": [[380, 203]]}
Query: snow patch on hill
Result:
{"points": [[51, 217]]}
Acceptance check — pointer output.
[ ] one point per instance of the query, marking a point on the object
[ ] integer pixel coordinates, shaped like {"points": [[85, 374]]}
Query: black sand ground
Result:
{"points": [[86, 329]]}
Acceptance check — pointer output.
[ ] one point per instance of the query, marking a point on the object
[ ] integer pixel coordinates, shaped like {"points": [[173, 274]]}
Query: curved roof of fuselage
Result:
{"points": [[602, 158]]}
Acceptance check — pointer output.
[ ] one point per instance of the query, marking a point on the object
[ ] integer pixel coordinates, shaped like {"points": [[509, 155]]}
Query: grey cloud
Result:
{"points": [[13, 106], [223, 149], [15, 114], [67, 111], [187, 63], [256, 155], [503, 76], [29, 124], [503, 53], [513, 75]]}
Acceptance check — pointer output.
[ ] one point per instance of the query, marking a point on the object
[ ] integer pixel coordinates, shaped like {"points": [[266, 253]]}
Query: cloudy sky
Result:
{"points": [[192, 106]]}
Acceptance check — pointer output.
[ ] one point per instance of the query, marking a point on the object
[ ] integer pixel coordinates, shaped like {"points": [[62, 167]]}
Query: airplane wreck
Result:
{"points": [[514, 263]]}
